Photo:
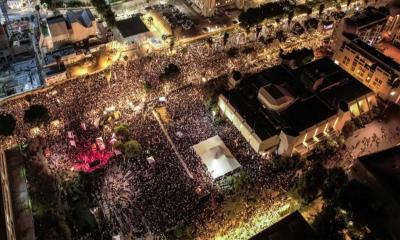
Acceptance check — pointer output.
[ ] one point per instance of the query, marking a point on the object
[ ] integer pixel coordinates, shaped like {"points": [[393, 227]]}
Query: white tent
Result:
{"points": [[216, 156]]}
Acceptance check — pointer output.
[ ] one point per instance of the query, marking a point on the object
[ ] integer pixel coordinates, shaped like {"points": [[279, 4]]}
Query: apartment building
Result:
{"points": [[367, 25], [368, 65]]}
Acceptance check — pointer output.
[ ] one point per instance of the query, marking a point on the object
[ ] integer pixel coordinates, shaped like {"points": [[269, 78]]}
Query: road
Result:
{"points": [[155, 114]]}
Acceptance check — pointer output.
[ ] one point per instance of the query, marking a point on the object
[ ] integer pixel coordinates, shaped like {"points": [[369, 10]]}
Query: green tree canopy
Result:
{"points": [[36, 114], [131, 148], [7, 124], [122, 131]]}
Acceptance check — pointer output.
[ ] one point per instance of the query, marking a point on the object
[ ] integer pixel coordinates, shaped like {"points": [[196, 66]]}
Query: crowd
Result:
{"points": [[134, 195]]}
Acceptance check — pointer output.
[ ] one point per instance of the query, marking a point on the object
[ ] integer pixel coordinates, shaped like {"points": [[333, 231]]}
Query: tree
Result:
{"points": [[37, 8], [146, 87], [150, 20], [131, 148], [170, 71], [309, 11], [290, 17], [310, 182], [119, 146], [321, 9], [7, 124], [171, 44], [333, 184], [232, 52], [126, 59], [225, 38], [237, 75], [105, 10], [281, 36], [36, 114], [254, 16], [311, 23], [122, 131], [258, 30], [210, 42], [348, 3], [329, 225]]}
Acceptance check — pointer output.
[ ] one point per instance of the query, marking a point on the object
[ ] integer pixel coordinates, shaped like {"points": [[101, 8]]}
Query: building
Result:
{"points": [[291, 227], [133, 30], [381, 171], [82, 24], [367, 25], [67, 54], [5, 51], [208, 8], [368, 65], [6, 211], [54, 73], [25, 76], [60, 30], [291, 110]]}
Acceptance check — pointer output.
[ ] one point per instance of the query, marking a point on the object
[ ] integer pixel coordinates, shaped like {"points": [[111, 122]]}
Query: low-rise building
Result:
{"points": [[291, 110], [368, 65], [61, 30], [132, 30], [54, 74], [67, 54]]}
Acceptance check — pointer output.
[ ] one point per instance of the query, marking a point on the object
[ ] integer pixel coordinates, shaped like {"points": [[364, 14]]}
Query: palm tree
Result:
{"points": [[37, 8], [210, 42], [290, 17], [348, 4], [321, 9], [225, 38], [126, 59], [258, 30], [150, 20], [247, 33], [172, 44], [309, 12]]}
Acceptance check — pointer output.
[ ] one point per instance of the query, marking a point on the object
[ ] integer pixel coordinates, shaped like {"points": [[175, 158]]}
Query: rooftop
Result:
{"points": [[54, 69], [386, 62], [55, 19], [131, 27], [318, 88], [369, 16], [64, 51], [385, 167], [85, 17], [291, 227]]}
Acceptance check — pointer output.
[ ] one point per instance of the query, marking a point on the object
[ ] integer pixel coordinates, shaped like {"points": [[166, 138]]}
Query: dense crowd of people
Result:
{"points": [[133, 194]]}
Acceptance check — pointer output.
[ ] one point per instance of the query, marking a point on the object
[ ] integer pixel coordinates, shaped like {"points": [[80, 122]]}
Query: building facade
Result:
{"points": [[208, 8], [368, 65], [367, 25], [7, 210]]}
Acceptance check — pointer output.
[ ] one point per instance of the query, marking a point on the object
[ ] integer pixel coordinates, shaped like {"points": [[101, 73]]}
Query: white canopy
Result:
{"points": [[216, 156]]}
